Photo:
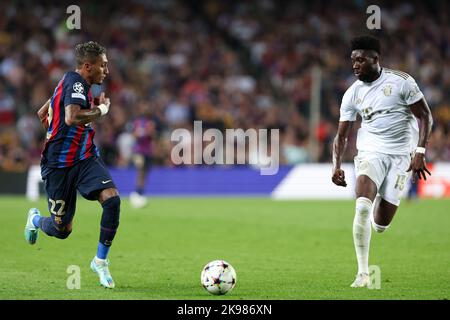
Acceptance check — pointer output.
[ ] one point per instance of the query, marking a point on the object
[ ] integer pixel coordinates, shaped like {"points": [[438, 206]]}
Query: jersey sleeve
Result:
{"points": [[75, 93], [347, 111], [410, 92]]}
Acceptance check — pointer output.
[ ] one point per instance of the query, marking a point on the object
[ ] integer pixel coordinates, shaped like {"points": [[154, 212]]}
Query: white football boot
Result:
{"points": [[362, 280], [101, 268], [31, 231]]}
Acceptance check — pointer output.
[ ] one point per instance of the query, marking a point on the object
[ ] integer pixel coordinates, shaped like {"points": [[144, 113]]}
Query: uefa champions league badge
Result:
{"points": [[78, 87]]}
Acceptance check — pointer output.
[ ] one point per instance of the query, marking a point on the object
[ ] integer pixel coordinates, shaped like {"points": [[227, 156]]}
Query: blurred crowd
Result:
{"points": [[230, 64]]}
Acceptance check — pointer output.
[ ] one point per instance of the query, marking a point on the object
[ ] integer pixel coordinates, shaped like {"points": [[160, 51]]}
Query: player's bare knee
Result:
{"points": [[107, 194]]}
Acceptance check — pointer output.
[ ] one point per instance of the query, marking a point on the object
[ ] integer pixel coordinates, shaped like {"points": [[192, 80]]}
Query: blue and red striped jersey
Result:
{"points": [[142, 130], [67, 145]]}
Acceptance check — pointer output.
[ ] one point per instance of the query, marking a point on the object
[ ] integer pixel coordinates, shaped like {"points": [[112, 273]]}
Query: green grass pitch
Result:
{"points": [[280, 250]]}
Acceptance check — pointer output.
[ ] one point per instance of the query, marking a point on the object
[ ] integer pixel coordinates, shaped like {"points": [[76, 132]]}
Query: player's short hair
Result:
{"points": [[88, 51], [366, 43]]}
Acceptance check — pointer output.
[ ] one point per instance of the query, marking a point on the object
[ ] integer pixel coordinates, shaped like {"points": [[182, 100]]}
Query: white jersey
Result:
{"points": [[388, 125]]}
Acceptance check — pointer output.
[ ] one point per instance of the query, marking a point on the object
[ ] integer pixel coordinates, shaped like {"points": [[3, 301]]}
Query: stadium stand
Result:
{"points": [[231, 64]]}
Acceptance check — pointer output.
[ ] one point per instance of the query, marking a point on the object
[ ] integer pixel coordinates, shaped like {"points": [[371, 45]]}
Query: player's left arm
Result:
{"points": [[75, 115], [43, 114], [422, 112]]}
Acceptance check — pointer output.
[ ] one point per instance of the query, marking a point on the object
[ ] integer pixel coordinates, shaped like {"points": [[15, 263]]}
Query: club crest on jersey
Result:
{"points": [[387, 90], [78, 87]]}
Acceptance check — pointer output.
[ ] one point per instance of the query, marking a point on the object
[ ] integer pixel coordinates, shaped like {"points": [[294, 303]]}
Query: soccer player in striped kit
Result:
{"points": [[70, 160], [143, 130]]}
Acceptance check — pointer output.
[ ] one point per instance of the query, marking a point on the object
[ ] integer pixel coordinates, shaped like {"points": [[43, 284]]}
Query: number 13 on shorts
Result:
{"points": [[400, 183]]}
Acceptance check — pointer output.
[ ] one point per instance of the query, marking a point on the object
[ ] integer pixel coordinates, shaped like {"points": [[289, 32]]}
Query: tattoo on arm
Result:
{"points": [[75, 115], [43, 113]]}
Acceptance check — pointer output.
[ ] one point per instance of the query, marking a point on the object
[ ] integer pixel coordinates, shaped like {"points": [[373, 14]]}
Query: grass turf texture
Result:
{"points": [[280, 250]]}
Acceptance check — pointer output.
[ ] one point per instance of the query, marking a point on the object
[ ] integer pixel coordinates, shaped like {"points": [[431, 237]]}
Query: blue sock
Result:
{"points": [[140, 190], [102, 251], [36, 220]]}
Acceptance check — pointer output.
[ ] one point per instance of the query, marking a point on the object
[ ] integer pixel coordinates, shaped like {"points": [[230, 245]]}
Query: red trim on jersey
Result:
{"points": [[89, 144], [56, 110], [74, 145]]}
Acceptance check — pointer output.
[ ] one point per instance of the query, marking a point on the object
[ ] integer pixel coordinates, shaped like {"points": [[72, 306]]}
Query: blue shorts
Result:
{"points": [[89, 177]]}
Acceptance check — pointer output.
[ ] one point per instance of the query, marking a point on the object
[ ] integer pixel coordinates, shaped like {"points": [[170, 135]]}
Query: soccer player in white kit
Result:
{"points": [[391, 143]]}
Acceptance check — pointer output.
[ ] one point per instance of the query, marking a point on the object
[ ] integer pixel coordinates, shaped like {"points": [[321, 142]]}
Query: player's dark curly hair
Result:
{"points": [[366, 43], [88, 51]]}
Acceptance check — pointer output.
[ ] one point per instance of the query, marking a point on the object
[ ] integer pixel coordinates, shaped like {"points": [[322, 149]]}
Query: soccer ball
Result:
{"points": [[218, 277]]}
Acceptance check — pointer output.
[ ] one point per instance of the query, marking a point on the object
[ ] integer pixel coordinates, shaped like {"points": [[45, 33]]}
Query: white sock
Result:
{"points": [[362, 232]]}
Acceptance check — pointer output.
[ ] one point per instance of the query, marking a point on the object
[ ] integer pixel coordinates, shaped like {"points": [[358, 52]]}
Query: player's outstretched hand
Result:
{"points": [[338, 177], [103, 99], [104, 103], [418, 167]]}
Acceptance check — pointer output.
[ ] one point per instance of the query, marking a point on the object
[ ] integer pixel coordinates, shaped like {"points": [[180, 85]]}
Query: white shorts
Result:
{"points": [[387, 171]]}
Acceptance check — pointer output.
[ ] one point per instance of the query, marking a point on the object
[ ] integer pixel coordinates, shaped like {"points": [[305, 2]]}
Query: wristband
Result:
{"points": [[420, 150], [103, 109]]}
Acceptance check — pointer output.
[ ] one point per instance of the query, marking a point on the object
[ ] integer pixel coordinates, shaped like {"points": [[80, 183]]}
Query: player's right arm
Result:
{"points": [[339, 145], [74, 115], [43, 114], [347, 117]]}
